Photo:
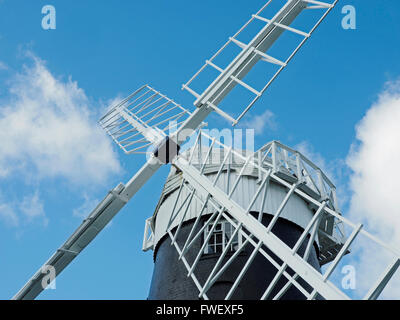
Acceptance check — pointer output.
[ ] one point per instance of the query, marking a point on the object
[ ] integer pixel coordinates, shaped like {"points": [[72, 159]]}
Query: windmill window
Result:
{"points": [[220, 237]]}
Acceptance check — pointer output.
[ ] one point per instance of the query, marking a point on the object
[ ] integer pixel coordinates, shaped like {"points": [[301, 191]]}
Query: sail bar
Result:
{"points": [[283, 26], [376, 290], [319, 3]]}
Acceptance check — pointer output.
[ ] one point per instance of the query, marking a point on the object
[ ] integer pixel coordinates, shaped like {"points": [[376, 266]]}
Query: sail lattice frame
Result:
{"points": [[143, 119], [252, 53]]}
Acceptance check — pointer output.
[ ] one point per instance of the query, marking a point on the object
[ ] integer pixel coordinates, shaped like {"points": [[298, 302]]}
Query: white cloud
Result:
{"points": [[15, 213], [375, 160], [105, 106], [31, 206], [261, 122], [47, 129], [8, 215]]}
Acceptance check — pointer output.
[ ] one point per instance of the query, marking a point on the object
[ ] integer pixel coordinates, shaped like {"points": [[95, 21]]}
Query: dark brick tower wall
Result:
{"points": [[170, 281]]}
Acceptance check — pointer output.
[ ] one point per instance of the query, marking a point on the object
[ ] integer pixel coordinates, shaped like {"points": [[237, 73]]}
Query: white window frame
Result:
{"points": [[221, 227]]}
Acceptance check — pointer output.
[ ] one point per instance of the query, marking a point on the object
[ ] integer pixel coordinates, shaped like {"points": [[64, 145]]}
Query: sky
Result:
{"points": [[338, 102]]}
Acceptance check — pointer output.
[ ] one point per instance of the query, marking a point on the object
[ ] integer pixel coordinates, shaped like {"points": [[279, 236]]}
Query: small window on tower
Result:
{"points": [[220, 238]]}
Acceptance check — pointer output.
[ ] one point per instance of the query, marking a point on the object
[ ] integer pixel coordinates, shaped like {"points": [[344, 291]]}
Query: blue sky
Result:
{"points": [[102, 51]]}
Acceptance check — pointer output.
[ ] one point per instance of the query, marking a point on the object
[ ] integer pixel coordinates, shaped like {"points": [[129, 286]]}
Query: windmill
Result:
{"points": [[289, 223]]}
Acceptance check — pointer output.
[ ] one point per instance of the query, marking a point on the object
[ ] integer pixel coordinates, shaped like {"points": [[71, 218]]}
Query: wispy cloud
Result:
{"points": [[32, 207], [47, 128], [48, 131], [8, 214], [3, 66], [87, 206], [15, 213], [261, 122]]}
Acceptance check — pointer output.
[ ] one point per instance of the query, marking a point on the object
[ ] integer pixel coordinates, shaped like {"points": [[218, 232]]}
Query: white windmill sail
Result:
{"points": [[254, 51], [216, 201], [142, 119]]}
